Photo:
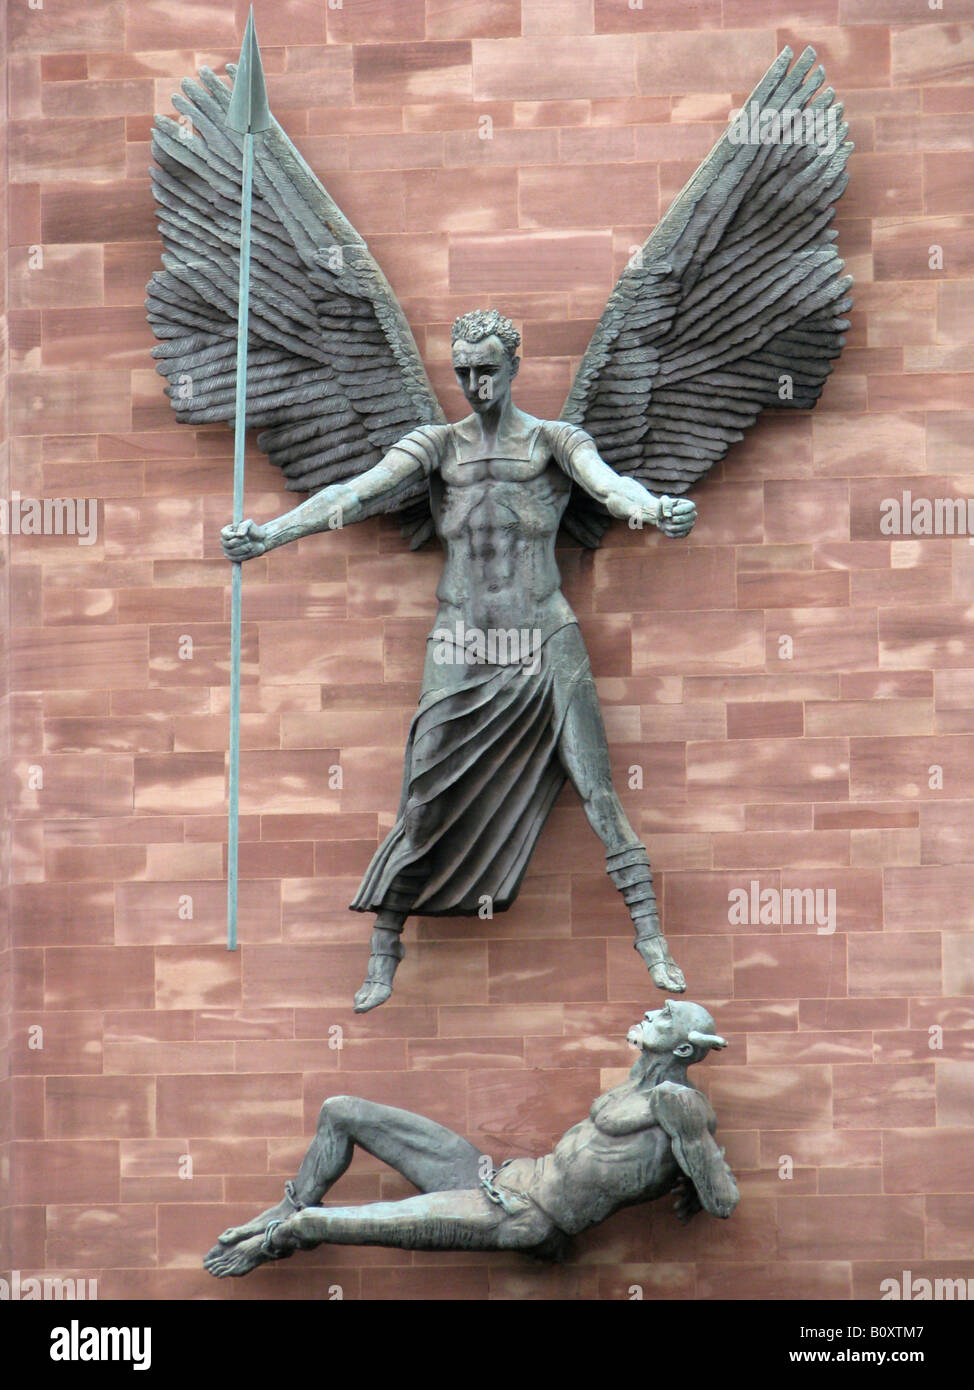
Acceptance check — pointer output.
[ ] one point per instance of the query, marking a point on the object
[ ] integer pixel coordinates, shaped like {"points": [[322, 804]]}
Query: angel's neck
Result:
{"points": [[496, 419]]}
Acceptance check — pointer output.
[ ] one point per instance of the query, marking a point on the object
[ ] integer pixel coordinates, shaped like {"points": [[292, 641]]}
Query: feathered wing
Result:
{"points": [[334, 375], [737, 292]]}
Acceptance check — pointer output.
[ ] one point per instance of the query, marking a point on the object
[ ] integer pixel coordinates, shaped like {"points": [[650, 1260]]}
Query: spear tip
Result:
{"points": [[249, 110]]}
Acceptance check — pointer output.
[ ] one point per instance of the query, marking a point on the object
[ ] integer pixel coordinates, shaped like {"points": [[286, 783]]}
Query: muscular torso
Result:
{"points": [[594, 1171], [497, 514]]}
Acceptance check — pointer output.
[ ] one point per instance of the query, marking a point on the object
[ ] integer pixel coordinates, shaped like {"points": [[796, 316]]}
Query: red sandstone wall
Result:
{"points": [[6, 999], [811, 772]]}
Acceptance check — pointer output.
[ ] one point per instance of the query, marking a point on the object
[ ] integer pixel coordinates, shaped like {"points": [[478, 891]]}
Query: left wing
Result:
{"points": [[735, 303], [335, 377]]}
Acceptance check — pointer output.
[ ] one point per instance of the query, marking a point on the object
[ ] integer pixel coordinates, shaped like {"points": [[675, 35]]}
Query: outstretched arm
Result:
{"points": [[623, 497], [335, 506]]}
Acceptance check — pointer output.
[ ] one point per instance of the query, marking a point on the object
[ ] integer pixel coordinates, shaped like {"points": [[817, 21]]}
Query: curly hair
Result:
{"points": [[486, 323]]}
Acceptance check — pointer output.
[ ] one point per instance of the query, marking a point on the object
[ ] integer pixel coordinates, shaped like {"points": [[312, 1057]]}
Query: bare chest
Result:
{"points": [[616, 1107], [505, 491], [469, 463]]}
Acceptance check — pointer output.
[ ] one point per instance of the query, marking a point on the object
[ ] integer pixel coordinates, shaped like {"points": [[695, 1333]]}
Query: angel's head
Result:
{"points": [[485, 359]]}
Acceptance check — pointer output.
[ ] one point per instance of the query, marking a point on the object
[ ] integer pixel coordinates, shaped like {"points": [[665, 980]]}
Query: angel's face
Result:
{"points": [[484, 372]]}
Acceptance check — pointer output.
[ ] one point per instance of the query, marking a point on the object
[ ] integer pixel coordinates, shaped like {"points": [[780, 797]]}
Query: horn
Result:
{"points": [[706, 1039]]}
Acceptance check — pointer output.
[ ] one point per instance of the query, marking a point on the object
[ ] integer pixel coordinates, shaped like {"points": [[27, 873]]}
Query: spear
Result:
{"points": [[247, 115]]}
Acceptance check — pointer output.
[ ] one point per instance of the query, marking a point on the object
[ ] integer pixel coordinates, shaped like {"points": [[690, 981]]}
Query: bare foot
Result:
{"points": [[663, 969], [232, 1261], [386, 951], [234, 1234]]}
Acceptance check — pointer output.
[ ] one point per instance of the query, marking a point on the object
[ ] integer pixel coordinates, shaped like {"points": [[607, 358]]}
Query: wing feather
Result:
{"points": [[334, 374], [735, 300]]}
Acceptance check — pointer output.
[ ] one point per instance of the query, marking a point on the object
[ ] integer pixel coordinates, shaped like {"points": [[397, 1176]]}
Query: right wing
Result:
{"points": [[738, 290], [334, 375]]}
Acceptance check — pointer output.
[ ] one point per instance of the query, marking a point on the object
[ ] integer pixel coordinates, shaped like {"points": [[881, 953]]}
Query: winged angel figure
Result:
{"points": [[735, 303]]}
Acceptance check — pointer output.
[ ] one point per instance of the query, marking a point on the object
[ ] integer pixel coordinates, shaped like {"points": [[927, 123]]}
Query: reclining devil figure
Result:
{"points": [[649, 1136]]}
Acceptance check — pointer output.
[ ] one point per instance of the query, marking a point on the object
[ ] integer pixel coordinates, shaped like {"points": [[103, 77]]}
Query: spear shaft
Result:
{"points": [[236, 597], [247, 113]]}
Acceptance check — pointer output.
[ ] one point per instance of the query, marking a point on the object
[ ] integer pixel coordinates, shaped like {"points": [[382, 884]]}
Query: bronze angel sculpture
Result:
{"points": [[735, 303]]}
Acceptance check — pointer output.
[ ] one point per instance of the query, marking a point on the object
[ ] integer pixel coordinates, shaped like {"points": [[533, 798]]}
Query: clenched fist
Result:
{"points": [[243, 541], [676, 516]]}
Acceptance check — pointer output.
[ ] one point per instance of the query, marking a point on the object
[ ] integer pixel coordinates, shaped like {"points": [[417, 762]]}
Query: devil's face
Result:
{"points": [[661, 1030]]}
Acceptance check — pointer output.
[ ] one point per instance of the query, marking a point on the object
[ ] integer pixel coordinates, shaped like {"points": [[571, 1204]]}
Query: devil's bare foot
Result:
{"points": [[233, 1234], [386, 951], [663, 969], [232, 1261]]}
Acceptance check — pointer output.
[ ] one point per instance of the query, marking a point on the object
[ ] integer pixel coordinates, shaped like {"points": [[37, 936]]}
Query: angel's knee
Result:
{"points": [[606, 816], [419, 821]]}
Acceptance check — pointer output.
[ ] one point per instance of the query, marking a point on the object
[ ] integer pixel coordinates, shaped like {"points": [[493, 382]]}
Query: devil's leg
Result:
{"points": [[463, 1219], [428, 1154]]}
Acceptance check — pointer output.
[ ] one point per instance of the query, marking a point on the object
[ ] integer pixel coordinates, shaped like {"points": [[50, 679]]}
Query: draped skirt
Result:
{"points": [[481, 774]]}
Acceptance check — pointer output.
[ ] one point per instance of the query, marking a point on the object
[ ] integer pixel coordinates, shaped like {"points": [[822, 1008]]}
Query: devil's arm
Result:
{"points": [[684, 1113], [341, 504]]}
